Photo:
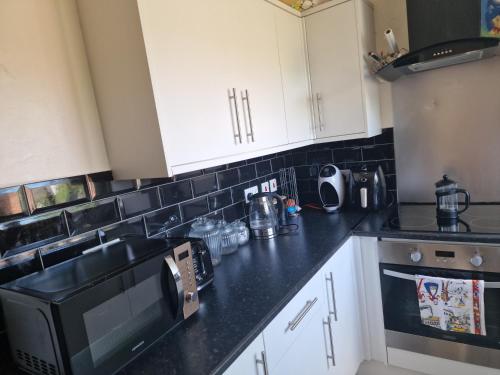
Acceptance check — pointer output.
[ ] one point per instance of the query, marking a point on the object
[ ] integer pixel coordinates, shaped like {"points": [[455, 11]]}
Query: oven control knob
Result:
{"points": [[190, 297], [415, 256], [476, 260]]}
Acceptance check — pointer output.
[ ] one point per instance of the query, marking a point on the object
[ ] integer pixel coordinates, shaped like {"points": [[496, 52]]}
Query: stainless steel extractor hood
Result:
{"points": [[441, 33]]}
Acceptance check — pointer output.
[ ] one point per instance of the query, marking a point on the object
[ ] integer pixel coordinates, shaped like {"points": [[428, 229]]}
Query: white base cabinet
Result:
{"points": [[320, 331], [252, 361], [344, 296]]}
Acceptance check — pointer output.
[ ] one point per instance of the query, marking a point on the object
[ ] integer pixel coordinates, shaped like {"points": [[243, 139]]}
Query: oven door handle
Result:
{"points": [[406, 276], [175, 275]]}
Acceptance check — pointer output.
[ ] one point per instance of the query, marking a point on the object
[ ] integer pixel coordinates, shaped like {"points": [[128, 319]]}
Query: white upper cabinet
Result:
{"points": [[292, 52], [193, 63], [345, 95]]}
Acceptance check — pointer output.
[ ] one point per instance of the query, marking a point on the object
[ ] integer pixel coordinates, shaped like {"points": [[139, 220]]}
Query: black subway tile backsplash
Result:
{"points": [[278, 163], [319, 157], [176, 192], [234, 212], [228, 178], [130, 227], [138, 202], [93, 215], [161, 220], [63, 192], [247, 173], [218, 200], [194, 208], [13, 203], [24, 234], [378, 152], [356, 155], [342, 155], [148, 207], [10, 271], [204, 184], [263, 168], [238, 192], [102, 185]]}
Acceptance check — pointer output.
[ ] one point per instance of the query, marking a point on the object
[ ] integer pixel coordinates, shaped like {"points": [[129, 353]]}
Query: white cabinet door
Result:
{"points": [[308, 355], [192, 50], [334, 64], [251, 361], [292, 53], [344, 307], [259, 73]]}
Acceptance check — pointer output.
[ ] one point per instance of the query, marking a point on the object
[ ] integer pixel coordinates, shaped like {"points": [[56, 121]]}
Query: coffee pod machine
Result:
{"points": [[331, 188]]}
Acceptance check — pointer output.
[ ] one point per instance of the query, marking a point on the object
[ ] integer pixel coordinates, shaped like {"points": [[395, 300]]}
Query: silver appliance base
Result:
{"points": [[265, 234], [444, 349]]}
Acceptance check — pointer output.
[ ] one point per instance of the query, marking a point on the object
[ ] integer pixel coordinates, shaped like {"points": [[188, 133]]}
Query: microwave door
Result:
{"points": [[402, 311], [109, 324]]}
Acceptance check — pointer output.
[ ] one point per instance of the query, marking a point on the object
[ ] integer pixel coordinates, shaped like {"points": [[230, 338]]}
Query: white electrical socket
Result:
{"points": [[273, 184], [250, 191], [264, 187]]}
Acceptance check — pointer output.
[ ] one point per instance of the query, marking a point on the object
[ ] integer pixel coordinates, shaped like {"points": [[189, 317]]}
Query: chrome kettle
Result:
{"points": [[264, 220]]}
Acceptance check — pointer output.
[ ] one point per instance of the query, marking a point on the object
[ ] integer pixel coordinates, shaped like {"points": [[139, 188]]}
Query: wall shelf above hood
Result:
{"points": [[439, 56]]}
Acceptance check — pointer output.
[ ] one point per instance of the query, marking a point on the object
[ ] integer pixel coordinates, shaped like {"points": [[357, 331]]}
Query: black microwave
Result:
{"points": [[95, 313]]}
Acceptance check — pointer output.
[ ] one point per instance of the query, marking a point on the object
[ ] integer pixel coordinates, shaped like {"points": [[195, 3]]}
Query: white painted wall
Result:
{"points": [[49, 123]]}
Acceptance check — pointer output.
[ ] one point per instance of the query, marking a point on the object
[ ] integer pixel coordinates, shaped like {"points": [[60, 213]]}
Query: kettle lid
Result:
{"points": [[445, 182]]}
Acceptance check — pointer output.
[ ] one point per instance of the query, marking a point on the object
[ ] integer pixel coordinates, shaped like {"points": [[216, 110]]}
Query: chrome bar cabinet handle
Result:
{"points": [[232, 100], [263, 362], [246, 98], [334, 302], [320, 114], [328, 324], [296, 321]]}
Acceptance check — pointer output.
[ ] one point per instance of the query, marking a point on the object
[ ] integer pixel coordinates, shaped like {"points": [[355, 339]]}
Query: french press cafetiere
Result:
{"points": [[447, 200]]}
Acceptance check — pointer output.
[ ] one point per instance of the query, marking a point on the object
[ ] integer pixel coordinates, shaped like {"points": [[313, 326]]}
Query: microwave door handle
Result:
{"points": [[179, 288]]}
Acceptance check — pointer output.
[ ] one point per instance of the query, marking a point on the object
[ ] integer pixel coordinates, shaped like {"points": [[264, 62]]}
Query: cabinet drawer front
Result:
{"points": [[286, 327]]}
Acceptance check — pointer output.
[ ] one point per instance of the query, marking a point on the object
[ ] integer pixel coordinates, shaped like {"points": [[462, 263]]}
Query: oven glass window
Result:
{"points": [[402, 311], [112, 325]]}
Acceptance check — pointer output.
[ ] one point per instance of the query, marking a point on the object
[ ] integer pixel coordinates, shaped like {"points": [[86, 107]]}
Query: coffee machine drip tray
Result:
{"points": [[480, 218]]}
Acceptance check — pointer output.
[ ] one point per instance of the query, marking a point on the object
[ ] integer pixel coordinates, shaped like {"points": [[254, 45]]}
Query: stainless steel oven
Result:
{"points": [[400, 261], [93, 314]]}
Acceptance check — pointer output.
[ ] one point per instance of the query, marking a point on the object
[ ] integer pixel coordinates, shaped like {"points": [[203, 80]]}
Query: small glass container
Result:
{"points": [[210, 232], [243, 232], [229, 238]]}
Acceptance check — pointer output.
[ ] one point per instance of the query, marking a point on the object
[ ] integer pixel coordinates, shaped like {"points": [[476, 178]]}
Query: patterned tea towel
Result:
{"points": [[451, 304]]}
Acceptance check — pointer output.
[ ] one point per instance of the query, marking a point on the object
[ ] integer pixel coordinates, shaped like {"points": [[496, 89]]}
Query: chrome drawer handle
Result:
{"points": [[263, 362], [296, 321], [334, 302], [328, 323]]}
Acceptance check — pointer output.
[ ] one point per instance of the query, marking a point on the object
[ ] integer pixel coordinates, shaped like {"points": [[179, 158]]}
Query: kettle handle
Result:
{"points": [[281, 208], [467, 199]]}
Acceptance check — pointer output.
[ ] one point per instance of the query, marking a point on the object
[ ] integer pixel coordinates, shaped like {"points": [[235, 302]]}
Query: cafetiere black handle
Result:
{"points": [[467, 199]]}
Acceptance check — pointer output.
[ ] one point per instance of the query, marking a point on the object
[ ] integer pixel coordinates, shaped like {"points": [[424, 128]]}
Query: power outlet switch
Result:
{"points": [[264, 187], [250, 191], [273, 185]]}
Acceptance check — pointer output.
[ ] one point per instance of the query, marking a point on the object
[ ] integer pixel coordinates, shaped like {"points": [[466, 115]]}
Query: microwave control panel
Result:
{"points": [[184, 261]]}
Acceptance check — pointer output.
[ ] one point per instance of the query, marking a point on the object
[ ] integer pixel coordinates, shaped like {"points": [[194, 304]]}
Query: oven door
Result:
{"points": [[108, 325], [402, 312]]}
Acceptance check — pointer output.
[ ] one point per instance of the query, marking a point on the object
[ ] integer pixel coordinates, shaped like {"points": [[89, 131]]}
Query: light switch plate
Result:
{"points": [[273, 185], [250, 191], [264, 187]]}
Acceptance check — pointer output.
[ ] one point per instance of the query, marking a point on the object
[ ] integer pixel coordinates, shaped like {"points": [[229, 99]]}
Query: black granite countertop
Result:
{"points": [[254, 284], [250, 288]]}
